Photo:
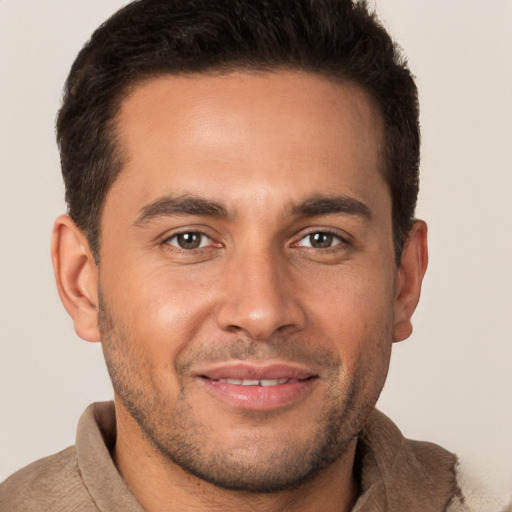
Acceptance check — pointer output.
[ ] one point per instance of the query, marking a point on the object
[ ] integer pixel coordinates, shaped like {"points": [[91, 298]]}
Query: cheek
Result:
{"points": [[356, 309], [162, 311]]}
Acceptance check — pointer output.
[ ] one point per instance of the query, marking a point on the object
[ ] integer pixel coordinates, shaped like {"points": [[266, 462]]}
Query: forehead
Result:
{"points": [[275, 134]]}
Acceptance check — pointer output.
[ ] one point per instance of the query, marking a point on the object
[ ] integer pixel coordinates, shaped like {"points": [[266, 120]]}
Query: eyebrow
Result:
{"points": [[326, 205], [180, 205], [169, 205]]}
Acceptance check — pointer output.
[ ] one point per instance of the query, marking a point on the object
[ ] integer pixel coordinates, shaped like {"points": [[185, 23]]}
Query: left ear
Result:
{"points": [[412, 268]]}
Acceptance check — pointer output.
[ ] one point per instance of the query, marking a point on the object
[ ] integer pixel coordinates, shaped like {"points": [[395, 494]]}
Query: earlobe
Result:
{"points": [[413, 266], [76, 275]]}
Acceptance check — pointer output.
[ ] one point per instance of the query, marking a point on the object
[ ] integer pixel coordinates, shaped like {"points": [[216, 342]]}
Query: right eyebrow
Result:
{"points": [[169, 205]]}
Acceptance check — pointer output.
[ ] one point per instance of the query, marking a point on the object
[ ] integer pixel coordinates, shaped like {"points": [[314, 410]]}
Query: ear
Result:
{"points": [[413, 266], [76, 275]]}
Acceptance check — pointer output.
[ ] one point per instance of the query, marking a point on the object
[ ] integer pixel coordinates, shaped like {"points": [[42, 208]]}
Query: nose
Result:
{"points": [[260, 297]]}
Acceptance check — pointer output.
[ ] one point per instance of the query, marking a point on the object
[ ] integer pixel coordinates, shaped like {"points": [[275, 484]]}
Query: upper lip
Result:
{"points": [[255, 371]]}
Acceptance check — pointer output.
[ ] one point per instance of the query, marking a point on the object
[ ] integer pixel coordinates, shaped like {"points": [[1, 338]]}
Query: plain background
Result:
{"points": [[451, 382]]}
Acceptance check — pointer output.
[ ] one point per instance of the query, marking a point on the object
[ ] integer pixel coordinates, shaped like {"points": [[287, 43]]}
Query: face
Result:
{"points": [[247, 273]]}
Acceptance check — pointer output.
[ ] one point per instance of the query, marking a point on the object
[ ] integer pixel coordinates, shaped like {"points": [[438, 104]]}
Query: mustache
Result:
{"points": [[287, 350]]}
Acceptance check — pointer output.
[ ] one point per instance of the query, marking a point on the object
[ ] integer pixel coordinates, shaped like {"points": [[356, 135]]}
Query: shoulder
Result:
{"points": [[51, 484], [471, 491], [475, 494], [417, 475]]}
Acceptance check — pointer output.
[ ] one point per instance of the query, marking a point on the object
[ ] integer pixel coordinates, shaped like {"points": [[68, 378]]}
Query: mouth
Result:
{"points": [[258, 387]]}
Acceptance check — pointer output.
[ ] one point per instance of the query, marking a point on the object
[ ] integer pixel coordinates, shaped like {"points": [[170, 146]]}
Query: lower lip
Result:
{"points": [[259, 398]]}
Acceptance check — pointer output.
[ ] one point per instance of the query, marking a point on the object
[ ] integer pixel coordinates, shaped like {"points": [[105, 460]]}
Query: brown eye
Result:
{"points": [[320, 240], [189, 240]]}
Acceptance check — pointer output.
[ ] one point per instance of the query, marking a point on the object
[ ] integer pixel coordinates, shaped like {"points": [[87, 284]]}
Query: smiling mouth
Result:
{"points": [[259, 389]]}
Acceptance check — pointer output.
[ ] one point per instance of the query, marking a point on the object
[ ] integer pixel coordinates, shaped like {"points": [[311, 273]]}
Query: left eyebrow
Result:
{"points": [[326, 205], [167, 206]]}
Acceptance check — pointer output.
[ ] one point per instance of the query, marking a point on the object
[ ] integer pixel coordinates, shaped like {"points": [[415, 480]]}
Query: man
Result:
{"points": [[241, 180]]}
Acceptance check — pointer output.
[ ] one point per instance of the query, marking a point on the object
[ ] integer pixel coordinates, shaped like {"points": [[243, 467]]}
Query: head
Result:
{"points": [[241, 180]]}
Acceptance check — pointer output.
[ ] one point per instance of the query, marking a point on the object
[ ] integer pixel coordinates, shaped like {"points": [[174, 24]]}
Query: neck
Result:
{"points": [[161, 486]]}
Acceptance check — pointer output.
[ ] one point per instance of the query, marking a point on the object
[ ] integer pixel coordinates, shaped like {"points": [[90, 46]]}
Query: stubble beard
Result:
{"points": [[178, 436]]}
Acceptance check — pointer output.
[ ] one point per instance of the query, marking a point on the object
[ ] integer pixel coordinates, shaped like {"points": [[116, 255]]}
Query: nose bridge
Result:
{"points": [[259, 296]]}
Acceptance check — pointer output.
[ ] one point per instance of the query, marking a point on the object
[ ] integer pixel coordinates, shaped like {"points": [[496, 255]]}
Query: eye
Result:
{"points": [[189, 240], [320, 240]]}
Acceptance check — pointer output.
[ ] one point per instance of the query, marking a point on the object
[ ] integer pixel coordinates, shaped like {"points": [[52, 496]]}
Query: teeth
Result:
{"points": [[271, 382], [262, 382], [231, 381], [250, 383]]}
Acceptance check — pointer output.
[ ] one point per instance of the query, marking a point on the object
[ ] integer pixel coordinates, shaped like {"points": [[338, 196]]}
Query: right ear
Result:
{"points": [[76, 275]]}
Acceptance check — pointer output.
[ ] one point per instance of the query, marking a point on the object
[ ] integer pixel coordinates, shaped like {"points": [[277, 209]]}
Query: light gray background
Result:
{"points": [[450, 383]]}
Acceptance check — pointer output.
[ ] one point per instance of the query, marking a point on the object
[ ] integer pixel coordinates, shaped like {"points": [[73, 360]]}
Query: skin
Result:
{"points": [[275, 279]]}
